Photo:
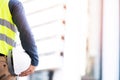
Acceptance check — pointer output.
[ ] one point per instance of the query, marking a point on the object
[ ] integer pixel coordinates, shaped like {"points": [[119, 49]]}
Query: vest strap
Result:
{"points": [[10, 63]]}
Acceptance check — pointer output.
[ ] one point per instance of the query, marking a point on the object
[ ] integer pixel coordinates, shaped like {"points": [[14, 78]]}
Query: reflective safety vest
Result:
{"points": [[7, 28]]}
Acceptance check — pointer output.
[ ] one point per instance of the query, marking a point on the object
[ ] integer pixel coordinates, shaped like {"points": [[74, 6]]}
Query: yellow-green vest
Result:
{"points": [[7, 28]]}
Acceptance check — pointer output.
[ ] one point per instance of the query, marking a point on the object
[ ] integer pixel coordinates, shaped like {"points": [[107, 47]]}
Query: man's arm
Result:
{"points": [[26, 37]]}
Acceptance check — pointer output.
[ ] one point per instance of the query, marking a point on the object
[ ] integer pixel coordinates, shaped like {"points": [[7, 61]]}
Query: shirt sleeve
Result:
{"points": [[25, 34]]}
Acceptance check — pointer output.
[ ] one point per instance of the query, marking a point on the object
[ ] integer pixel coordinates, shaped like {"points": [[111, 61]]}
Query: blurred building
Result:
{"points": [[76, 39]]}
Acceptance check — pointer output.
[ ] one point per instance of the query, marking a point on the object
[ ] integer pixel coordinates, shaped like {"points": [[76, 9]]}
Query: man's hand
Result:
{"points": [[29, 71]]}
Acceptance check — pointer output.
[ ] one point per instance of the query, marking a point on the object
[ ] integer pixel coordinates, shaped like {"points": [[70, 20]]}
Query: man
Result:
{"points": [[12, 18]]}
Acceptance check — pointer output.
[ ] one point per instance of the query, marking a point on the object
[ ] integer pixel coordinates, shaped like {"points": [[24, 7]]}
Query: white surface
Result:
{"points": [[51, 62], [75, 39], [21, 60], [110, 40]]}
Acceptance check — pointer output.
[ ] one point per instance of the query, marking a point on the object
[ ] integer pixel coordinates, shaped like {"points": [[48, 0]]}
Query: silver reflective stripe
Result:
{"points": [[7, 24], [7, 40]]}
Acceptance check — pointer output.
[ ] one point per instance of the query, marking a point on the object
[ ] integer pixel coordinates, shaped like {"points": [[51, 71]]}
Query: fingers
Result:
{"points": [[27, 72]]}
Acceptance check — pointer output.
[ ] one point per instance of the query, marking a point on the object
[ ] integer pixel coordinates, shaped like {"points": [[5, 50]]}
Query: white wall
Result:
{"points": [[75, 40], [110, 40]]}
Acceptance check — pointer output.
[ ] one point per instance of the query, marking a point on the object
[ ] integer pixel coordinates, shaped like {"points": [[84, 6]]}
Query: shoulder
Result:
{"points": [[15, 5], [14, 2]]}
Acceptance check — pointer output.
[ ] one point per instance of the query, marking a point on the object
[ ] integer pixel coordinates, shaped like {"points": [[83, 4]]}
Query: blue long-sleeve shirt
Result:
{"points": [[26, 37]]}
